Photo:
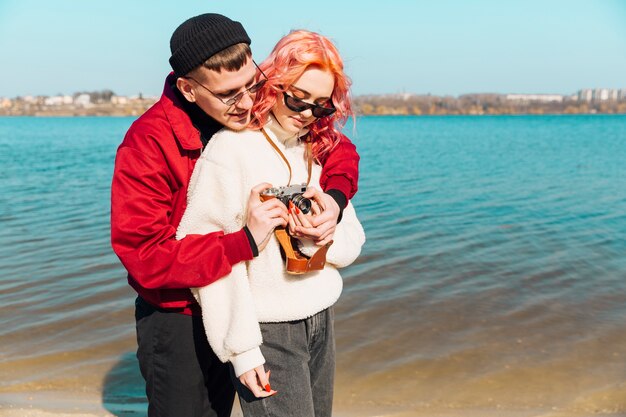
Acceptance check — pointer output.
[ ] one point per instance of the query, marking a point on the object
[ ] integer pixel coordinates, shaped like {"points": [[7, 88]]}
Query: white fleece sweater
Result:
{"points": [[259, 290]]}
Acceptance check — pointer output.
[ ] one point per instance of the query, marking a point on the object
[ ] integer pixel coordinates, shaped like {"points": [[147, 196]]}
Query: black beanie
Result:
{"points": [[199, 38]]}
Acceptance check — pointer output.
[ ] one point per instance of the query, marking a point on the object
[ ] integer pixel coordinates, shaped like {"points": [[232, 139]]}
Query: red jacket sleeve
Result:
{"points": [[340, 168], [143, 233]]}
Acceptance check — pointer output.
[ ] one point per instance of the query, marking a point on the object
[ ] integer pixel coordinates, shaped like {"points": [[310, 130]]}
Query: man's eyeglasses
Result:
{"points": [[231, 101], [297, 105]]}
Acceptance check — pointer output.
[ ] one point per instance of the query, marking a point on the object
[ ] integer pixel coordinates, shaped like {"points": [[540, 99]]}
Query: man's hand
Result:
{"points": [[321, 226], [264, 217], [258, 382]]}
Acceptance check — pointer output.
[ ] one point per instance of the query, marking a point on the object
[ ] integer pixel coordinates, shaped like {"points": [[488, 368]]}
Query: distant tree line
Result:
{"points": [[103, 96], [404, 104], [101, 103]]}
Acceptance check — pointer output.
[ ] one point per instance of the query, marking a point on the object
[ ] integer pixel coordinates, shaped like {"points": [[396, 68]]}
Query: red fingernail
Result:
{"points": [[297, 209], [268, 388]]}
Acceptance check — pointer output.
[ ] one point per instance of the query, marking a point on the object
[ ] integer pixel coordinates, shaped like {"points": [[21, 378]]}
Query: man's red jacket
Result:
{"points": [[149, 196]]}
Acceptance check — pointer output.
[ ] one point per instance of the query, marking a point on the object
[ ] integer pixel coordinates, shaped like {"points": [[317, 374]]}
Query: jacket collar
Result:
{"points": [[186, 118]]}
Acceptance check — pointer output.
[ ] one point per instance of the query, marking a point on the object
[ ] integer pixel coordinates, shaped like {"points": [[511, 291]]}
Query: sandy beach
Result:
{"points": [[35, 412], [73, 404]]}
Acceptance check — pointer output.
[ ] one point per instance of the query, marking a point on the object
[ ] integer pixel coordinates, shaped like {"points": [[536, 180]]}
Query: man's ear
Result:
{"points": [[185, 87]]}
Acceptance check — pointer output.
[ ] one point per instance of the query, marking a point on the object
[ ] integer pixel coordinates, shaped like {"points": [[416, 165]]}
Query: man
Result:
{"points": [[212, 86]]}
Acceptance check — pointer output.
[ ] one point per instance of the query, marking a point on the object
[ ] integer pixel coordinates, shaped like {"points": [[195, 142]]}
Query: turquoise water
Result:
{"points": [[493, 276]]}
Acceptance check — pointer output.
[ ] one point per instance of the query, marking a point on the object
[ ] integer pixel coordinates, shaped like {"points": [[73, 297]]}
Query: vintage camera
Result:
{"points": [[289, 193]]}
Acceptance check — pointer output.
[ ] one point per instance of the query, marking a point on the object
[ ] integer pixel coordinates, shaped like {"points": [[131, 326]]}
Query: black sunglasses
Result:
{"points": [[297, 105]]}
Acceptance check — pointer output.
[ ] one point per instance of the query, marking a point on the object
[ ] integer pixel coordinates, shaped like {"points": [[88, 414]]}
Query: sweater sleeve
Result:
{"points": [[230, 321], [348, 240], [216, 202]]}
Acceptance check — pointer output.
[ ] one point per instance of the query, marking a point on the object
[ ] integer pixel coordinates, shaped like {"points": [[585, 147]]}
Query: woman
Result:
{"points": [[259, 313]]}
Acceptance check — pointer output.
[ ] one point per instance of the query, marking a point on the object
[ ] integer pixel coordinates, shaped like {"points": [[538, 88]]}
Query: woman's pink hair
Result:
{"points": [[291, 56]]}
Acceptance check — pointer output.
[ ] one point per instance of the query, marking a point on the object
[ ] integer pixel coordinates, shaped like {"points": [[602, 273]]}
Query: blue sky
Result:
{"points": [[443, 47]]}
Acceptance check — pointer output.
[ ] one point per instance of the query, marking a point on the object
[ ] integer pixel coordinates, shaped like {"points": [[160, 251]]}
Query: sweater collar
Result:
{"points": [[278, 132]]}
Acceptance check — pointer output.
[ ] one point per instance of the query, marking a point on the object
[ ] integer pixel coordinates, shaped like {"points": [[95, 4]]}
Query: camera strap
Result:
{"points": [[309, 156]]}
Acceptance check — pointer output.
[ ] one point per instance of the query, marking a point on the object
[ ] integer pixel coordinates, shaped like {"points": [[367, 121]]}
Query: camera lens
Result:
{"points": [[303, 203]]}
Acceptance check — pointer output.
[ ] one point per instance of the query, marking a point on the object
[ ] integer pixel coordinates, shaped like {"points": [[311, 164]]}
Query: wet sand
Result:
{"points": [[73, 404], [457, 413]]}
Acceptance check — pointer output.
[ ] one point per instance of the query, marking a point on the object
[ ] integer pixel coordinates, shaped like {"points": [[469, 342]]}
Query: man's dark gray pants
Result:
{"points": [[183, 376]]}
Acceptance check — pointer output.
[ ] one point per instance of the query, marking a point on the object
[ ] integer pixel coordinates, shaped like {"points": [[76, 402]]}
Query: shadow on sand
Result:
{"points": [[123, 393]]}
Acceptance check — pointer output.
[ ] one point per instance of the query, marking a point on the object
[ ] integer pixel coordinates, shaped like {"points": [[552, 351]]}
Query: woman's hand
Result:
{"points": [[258, 382], [319, 227], [264, 217]]}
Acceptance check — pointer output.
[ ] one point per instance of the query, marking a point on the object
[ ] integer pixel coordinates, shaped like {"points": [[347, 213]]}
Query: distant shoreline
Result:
{"points": [[107, 104], [41, 114], [490, 104], [60, 115]]}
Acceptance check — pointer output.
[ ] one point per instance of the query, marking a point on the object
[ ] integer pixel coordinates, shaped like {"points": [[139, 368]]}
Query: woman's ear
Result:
{"points": [[186, 89]]}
